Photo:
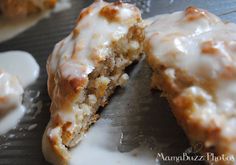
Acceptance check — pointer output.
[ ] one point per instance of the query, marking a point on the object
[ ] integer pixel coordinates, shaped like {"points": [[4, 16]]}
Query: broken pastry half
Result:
{"points": [[193, 57], [85, 68], [22, 8]]}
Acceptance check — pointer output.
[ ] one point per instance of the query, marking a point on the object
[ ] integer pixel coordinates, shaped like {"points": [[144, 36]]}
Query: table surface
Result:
{"points": [[141, 113]]}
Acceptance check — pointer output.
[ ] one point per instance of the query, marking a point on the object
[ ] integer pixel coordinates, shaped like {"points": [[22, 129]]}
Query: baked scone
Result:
{"points": [[84, 70], [22, 8], [193, 57]]}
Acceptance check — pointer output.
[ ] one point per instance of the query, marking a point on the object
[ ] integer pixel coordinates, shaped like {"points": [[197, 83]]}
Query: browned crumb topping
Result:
{"points": [[76, 32], [193, 13], [209, 47], [229, 72], [84, 13], [75, 83], [110, 13], [50, 4]]}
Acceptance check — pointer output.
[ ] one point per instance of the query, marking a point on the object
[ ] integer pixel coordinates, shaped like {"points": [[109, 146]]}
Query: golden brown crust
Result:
{"points": [[110, 13], [85, 12], [192, 13], [209, 48]]}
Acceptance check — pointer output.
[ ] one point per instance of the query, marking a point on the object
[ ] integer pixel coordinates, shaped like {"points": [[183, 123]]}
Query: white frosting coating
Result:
{"points": [[11, 120], [18, 70], [102, 143], [21, 64], [11, 110], [204, 47], [10, 91]]}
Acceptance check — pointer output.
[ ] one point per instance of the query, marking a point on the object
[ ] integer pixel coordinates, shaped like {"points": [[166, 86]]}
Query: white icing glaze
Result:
{"points": [[18, 70], [101, 143], [148, 21], [10, 121], [204, 47], [21, 64], [92, 40], [10, 91]]}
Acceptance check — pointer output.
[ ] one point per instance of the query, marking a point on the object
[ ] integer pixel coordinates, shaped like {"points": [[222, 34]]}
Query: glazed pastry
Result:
{"points": [[193, 57], [85, 68], [22, 8]]}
